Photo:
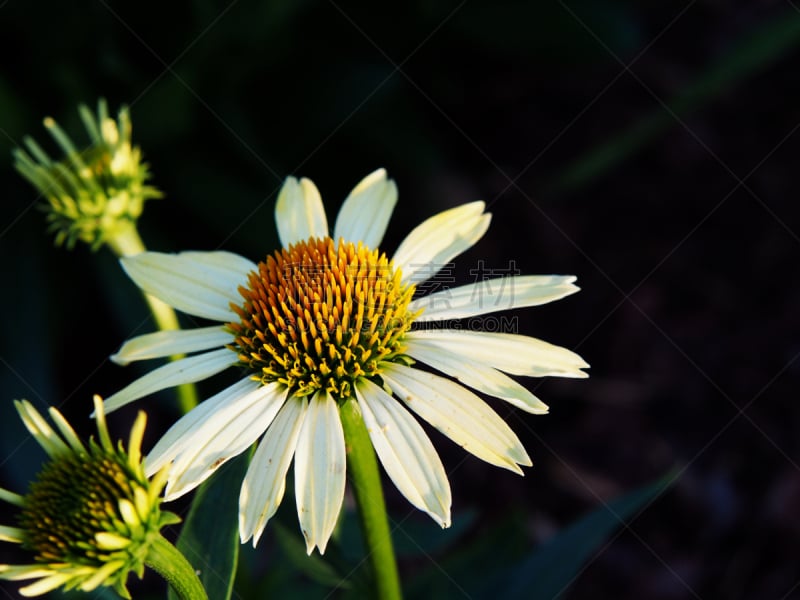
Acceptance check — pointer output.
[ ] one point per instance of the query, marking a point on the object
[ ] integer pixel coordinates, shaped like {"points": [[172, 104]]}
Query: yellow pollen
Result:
{"points": [[319, 315]]}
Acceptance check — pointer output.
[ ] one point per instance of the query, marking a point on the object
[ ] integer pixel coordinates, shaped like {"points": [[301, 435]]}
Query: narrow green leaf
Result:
{"points": [[210, 535], [549, 570]]}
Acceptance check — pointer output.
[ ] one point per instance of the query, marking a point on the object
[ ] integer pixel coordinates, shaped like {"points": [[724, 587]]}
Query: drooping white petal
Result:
{"points": [[491, 295], [198, 283], [476, 375], [405, 451], [179, 436], [366, 211], [186, 370], [167, 343], [459, 414], [439, 239], [299, 213], [319, 471], [265, 482], [509, 352], [230, 430]]}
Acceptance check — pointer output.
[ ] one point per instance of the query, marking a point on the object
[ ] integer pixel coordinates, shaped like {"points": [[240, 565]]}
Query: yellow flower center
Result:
{"points": [[318, 316]]}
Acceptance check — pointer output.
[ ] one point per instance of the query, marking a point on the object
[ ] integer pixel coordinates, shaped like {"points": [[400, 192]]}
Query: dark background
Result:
{"points": [[648, 148]]}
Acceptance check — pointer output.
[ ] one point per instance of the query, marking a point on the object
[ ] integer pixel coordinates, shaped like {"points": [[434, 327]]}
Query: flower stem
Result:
{"points": [[167, 561], [126, 241], [362, 467]]}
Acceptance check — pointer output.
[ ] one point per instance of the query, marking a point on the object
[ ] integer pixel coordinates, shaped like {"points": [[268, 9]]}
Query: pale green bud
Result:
{"points": [[93, 193]]}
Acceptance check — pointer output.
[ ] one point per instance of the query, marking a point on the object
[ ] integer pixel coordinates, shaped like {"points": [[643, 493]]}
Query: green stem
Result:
{"points": [[126, 242], [165, 560], [362, 467]]}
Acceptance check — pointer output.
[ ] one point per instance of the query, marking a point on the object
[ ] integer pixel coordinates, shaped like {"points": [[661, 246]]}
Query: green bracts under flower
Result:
{"points": [[94, 192], [91, 516]]}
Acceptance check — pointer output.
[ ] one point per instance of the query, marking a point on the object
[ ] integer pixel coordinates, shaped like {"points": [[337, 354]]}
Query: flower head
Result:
{"points": [[95, 191], [91, 515], [329, 319]]}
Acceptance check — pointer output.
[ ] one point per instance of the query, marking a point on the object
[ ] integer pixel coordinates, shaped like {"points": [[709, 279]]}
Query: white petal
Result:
{"points": [[491, 295], [168, 343], [232, 429], [265, 482], [405, 451], [179, 436], [299, 213], [476, 375], [439, 239], [459, 414], [509, 352], [186, 370], [366, 211], [198, 283], [319, 471], [237, 266]]}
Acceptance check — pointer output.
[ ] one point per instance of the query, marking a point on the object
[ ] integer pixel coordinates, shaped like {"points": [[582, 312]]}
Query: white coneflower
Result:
{"points": [[325, 319]]}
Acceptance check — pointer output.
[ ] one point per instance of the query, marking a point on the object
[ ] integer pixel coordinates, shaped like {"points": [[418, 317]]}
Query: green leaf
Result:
{"points": [[549, 570], [315, 567], [465, 568], [414, 537], [210, 536]]}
